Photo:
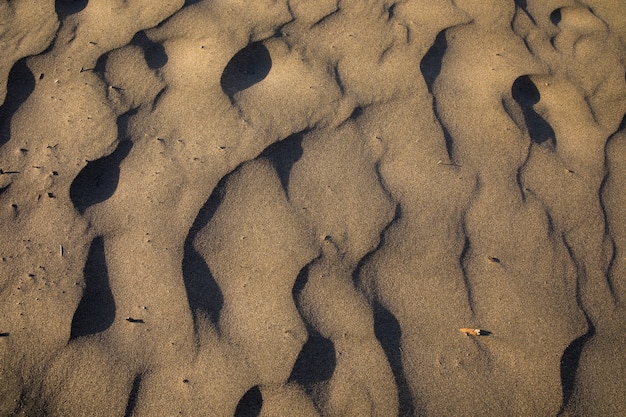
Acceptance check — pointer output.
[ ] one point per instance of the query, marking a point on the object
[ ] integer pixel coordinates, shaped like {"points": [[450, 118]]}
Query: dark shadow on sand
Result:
{"points": [[96, 309], [65, 8], [526, 94], [431, 68], [569, 363], [203, 293], [284, 154], [388, 332], [20, 85], [132, 396], [153, 52], [250, 404], [432, 61], [316, 362], [247, 67], [99, 179]]}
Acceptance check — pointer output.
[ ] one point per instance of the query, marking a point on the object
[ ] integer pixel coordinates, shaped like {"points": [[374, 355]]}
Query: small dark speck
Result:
{"points": [[4, 334], [41, 76], [494, 259], [24, 150], [51, 195], [185, 381], [132, 320], [55, 173]]}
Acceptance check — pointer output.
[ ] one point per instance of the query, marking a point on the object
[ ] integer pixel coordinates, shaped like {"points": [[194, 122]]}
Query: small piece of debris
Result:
{"points": [[4, 334], [474, 332], [132, 320], [451, 164]]}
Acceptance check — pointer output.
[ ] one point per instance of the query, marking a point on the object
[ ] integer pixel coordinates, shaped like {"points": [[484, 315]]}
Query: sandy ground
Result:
{"points": [[291, 207]]}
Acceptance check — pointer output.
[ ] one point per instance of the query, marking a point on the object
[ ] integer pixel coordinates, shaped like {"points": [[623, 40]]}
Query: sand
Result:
{"points": [[291, 207]]}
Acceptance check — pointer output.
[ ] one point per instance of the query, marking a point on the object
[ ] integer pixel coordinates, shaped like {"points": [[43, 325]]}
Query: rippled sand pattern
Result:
{"points": [[290, 208]]}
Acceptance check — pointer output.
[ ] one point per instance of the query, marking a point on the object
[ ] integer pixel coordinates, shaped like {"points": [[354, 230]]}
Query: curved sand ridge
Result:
{"points": [[290, 208]]}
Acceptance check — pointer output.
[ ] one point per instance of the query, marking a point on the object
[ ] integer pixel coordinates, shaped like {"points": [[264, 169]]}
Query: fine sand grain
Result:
{"points": [[291, 207]]}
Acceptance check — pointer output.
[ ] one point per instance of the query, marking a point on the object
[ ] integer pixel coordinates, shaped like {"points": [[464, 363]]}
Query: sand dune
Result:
{"points": [[290, 208]]}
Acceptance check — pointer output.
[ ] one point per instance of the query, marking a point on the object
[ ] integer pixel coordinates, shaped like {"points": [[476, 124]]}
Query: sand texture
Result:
{"points": [[291, 207]]}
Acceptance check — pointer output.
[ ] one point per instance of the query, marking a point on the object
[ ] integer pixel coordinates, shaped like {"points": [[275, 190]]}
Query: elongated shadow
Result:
{"points": [[523, 4], [570, 361], [250, 404], [526, 94], [65, 8], [96, 309], [153, 52], [317, 360], [284, 154], [622, 125], [132, 396], [99, 179], [247, 67], [203, 293], [432, 61], [388, 332], [431, 68], [20, 85], [300, 283], [555, 17], [356, 274], [315, 363]]}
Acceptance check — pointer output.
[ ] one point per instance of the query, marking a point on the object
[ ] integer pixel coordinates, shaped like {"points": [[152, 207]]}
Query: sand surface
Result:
{"points": [[291, 207]]}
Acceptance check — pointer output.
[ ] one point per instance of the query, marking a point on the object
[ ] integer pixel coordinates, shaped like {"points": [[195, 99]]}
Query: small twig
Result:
{"points": [[474, 332], [2, 172], [440, 162], [132, 320]]}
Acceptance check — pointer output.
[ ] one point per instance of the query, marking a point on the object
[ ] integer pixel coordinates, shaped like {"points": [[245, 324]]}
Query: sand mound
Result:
{"points": [[289, 208]]}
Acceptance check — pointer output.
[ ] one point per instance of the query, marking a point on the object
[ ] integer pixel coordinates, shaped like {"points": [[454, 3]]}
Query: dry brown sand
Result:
{"points": [[291, 207]]}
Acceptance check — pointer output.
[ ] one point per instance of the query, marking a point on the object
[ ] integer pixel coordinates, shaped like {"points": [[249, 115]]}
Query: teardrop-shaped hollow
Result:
{"points": [[247, 67]]}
